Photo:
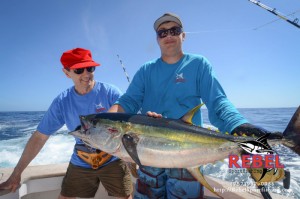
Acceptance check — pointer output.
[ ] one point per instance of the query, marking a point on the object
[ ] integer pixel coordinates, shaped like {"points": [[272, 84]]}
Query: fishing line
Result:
{"points": [[221, 30], [124, 69]]}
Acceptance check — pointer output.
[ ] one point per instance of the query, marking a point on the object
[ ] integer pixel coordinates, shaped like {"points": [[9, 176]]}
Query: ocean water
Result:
{"points": [[17, 127]]}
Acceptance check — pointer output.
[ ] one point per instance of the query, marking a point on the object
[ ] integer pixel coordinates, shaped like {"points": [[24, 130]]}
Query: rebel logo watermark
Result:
{"points": [[258, 161], [258, 154]]}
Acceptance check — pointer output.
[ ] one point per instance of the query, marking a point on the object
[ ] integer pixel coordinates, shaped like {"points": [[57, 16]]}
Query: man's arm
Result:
{"points": [[32, 148], [116, 108]]}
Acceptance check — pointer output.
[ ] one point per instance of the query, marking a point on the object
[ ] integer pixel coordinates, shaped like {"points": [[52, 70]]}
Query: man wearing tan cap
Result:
{"points": [[88, 167], [171, 86]]}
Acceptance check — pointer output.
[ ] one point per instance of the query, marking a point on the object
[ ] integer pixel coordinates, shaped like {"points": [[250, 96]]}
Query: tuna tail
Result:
{"points": [[291, 135]]}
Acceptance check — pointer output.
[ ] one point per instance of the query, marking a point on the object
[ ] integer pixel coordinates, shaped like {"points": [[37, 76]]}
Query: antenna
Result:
{"points": [[124, 69]]}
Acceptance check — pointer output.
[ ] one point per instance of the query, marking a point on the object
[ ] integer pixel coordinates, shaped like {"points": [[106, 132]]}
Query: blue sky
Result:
{"points": [[257, 68]]}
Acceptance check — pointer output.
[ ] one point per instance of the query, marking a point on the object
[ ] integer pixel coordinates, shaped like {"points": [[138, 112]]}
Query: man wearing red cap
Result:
{"points": [[88, 167]]}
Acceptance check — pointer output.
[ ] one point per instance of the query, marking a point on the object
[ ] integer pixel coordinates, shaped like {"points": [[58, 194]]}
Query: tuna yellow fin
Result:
{"points": [[188, 117], [195, 172]]}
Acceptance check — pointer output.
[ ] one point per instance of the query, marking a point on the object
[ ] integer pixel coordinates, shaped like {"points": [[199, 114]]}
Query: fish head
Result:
{"points": [[99, 133], [86, 122]]}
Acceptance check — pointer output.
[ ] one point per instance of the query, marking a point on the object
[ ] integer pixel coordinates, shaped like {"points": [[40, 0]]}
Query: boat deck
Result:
{"points": [[45, 181]]}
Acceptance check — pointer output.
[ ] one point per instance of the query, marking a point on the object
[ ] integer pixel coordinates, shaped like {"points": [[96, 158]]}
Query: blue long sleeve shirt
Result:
{"points": [[174, 89]]}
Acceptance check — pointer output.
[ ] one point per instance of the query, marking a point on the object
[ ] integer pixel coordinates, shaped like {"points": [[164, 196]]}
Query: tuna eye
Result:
{"points": [[112, 130], [94, 122]]}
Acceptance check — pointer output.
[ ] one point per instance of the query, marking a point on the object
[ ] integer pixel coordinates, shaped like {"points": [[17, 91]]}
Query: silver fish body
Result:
{"points": [[160, 142]]}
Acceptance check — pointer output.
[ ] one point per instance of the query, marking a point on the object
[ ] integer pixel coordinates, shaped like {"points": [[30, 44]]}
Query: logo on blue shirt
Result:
{"points": [[179, 78], [100, 108]]}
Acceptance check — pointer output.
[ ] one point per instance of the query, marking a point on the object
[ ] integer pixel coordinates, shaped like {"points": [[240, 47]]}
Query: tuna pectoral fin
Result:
{"points": [[291, 135], [195, 171], [130, 143]]}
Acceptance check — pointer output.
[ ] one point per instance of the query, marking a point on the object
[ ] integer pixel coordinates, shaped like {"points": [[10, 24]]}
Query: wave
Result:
{"points": [[17, 127]]}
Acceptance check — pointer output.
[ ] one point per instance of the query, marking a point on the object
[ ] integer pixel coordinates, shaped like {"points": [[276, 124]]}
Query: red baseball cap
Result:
{"points": [[77, 58]]}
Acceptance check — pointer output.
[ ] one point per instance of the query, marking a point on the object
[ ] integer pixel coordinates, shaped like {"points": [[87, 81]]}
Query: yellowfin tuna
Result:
{"points": [[167, 143]]}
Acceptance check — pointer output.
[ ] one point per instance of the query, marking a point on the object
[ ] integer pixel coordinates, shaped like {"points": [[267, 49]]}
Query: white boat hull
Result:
{"points": [[45, 182]]}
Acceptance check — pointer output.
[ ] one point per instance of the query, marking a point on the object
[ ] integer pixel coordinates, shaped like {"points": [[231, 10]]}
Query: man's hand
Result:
{"points": [[12, 183], [250, 130], [153, 114], [32, 148]]}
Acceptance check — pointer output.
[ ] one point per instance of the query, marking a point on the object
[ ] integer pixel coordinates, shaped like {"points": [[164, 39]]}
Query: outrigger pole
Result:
{"points": [[273, 11]]}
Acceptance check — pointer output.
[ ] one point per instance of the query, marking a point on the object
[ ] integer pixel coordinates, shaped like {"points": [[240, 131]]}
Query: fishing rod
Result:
{"points": [[275, 20], [124, 69], [127, 76], [273, 11]]}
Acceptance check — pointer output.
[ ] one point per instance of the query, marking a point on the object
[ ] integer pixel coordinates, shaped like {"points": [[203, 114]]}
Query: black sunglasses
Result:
{"points": [[174, 31], [79, 71]]}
